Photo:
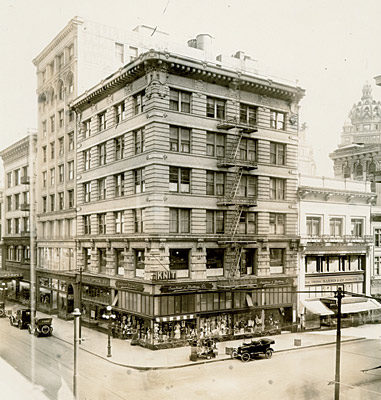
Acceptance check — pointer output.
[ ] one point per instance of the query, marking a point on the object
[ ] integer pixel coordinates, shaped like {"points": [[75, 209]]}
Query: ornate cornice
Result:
{"points": [[17, 150], [196, 69]]}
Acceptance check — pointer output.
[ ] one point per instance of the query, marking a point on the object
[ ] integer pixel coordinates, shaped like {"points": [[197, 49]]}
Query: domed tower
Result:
{"points": [[364, 123], [358, 156]]}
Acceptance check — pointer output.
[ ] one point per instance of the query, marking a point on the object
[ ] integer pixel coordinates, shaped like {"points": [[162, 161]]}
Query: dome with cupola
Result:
{"points": [[364, 123]]}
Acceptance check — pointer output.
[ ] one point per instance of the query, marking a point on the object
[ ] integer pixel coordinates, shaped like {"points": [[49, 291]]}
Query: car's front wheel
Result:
{"points": [[234, 354], [245, 357], [45, 330], [269, 353]]}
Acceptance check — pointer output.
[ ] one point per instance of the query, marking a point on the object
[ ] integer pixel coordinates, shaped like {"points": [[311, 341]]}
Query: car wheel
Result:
{"points": [[234, 354], [268, 354], [245, 357], [45, 330]]}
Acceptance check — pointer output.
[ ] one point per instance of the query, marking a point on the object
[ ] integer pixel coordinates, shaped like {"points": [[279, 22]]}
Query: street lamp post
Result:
{"points": [[76, 313], [109, 316], [339, 295]]}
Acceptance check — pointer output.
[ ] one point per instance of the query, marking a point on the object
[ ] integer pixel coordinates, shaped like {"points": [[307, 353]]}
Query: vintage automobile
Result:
{"points": [[203, 349], [2, 309], [42, 327], [21, 318], [254, 349]]}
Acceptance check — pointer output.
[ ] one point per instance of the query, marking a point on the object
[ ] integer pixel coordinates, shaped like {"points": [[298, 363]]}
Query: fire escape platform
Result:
{"points": [[244, 128], [234, 162], [243, 201]]}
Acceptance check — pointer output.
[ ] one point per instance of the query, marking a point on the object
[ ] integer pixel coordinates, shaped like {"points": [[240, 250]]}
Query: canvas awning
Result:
{"points": [[317, 307], [360, 306]]}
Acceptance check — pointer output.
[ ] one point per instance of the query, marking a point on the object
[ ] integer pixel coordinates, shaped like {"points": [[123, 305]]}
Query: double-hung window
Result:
{"points": [[313, 225], [215, 144], [138, 102], [102, 124], [247, 186], [179, 180], [119, 222], [102, 154], [119, 148], [87, 192], [247, 114], [120, 112], [357, 227], [139, 220], [139, 180], [215, 108], [179, 139], [215, 183], [179, 100], [101, 189], [119, 185], [86, 126], [179, 220], [247, 222], [277, 189], [102, 223], [277, 120], [277, 223], [336, 226], [139, 141], [248, 149], [277, 153], [87, 159], [215, 222]]}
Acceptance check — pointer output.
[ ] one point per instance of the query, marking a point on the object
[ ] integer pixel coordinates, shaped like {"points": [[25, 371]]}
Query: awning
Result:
{"points": [[360, 306], [317, 307]]}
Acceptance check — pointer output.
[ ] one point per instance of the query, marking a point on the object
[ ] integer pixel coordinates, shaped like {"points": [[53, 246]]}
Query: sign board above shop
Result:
{"points": [[186, 287], [321, 280], [163, 275]]}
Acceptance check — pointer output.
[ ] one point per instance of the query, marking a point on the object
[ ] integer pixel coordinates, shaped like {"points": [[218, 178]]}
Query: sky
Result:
{"points": [[328, 47]]}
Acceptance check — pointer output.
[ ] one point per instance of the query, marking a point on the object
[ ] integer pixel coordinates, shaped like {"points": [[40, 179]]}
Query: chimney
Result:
{"points": [[204, 42]]}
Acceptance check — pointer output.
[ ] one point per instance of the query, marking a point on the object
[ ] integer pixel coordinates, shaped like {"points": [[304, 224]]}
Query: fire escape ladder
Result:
{"points": [[235, 221], [236, 259], [235, 145], [235, 185]]}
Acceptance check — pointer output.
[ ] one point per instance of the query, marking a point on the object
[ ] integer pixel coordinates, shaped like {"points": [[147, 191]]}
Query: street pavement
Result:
{"points": [[136, 357]]}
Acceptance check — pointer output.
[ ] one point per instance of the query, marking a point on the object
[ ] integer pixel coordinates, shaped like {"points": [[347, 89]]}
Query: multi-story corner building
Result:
{"points": [[336, 246], [16, 217], [186, 197], [81, 55]]}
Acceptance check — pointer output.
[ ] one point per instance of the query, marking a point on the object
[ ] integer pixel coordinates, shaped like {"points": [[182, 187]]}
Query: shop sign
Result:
{"points": [[10, 275], [163, 275], [95, 281], [274, 282], [334, 279], [186, 287], [129, 286]]}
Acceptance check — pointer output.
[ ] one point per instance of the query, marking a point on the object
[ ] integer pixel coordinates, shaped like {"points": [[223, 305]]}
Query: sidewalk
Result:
{"points": [[136, 357]]}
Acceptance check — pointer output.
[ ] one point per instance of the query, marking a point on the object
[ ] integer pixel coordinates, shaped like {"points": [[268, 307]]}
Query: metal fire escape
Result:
{"points": [[237, 204]]}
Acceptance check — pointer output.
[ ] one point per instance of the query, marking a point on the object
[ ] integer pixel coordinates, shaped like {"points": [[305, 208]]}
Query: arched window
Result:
{"points": [[371, 168], [346, 171], [358, 171]]}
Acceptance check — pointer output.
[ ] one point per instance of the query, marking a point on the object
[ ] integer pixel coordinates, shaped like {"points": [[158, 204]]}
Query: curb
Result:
{"points": [[140, 368]]}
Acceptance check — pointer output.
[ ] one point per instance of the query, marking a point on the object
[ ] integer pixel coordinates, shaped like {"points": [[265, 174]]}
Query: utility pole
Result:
{"points": [[76, 314], [339, 295]]}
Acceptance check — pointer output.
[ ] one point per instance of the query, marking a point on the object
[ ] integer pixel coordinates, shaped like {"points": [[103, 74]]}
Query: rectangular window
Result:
{"points": [[102, 154], [9, 179], [52, 202], [86, 127], [86, 224], [276, 258], [313, 225], [44, 152], [179, 180], [139, 220], [61, 118], [277, 153], [179, 100], [70, 167], [357, 227], [26, 225], [139, 180], [247, 222], [277, 120], [52, 123], [102, 121], [52, 150], [215, 183], [60, 201], [247, 186], [139, 141], [87, 159], [44, 179], [9, 226], [179, 259], [377, 237], [119, 148], [17, 201], [120, 112], [139, 262], [70, 141], [102, 260], [336, 226], [17, 225], [248, 114], [249, 262], [61, 146], [215, 108], [102, 224], [60, 61], [179, 139], [44, 128], [247, 150], [179, 220], [9, 203], [87, 192], [119, 262], [101, 189], [133, 53], [119, 185], [138, 102], [70, 198], [215, 144], [215, 258], [44, 204], [52, 176], [277, 224], [377, 266], [277, 189], [119, 52], [61, 174], [215, 222], [119, 221]]}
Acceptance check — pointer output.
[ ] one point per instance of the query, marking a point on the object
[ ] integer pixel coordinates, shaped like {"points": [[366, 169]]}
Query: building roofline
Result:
{"points": [[74, 22], [204, 70], [15, 146]]}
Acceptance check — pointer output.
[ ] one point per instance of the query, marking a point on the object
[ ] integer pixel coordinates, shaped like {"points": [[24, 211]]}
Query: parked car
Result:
{"points": [[42, 327], [2, 309], [21, 318], [254, 349]]}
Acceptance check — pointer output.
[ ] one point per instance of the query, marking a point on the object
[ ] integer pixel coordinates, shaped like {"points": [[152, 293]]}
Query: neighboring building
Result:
{"points": [[81, 55], [186, 198], [336, 246], [16, 217], [359, 154], [306, 161]]}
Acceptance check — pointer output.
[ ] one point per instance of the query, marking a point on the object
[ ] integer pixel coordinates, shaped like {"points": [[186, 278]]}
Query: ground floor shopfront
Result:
{"points": [[162, 315]]}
